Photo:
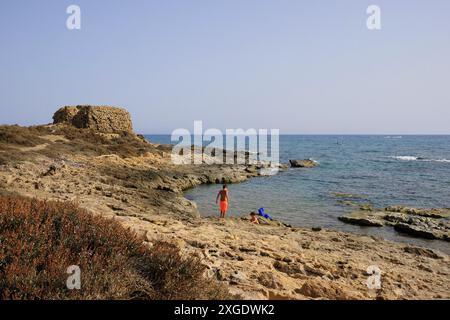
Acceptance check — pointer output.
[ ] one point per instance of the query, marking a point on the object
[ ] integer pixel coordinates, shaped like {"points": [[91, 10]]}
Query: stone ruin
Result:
{"points": [[104, 119]]}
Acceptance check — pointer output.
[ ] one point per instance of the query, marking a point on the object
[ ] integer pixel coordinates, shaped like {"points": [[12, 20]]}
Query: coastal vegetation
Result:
{"points": [[21, 143], [41, 239]]}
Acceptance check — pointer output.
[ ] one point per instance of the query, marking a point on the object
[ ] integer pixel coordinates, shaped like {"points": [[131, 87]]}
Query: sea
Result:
{"points": [[382, 170]]}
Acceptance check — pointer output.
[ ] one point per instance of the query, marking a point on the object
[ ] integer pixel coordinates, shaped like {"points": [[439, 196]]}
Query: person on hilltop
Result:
{"points": [[223, 195]]}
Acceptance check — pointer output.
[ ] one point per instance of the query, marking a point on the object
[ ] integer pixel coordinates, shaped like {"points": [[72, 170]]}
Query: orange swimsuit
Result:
{"points": [[223, 205]]}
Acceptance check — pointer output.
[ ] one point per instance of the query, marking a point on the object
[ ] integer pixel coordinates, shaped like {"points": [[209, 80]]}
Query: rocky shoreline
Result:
{"points": [[430, 224], [144, 191]]}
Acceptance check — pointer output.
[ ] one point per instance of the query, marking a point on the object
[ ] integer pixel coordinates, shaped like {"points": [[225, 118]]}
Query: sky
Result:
{"points": [[307, 67]]}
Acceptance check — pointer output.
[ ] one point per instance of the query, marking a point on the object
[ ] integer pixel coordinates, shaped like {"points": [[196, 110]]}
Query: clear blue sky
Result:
{"points": [[302, 67]]}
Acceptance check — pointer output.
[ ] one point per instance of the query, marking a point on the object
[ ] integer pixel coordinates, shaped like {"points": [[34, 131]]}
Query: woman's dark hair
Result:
{"points": [[224, 186]]}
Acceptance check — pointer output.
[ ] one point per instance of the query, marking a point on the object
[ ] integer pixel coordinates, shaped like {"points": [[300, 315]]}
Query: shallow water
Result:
{"points": [[382, 170]]}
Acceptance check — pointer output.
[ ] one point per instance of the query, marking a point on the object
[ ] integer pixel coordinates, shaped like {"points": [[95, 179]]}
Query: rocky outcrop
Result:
{"points": [[416, 231], [65, 115], [422, 223], [305, 163], [424, 252], [362, 219], [104, 119], [430, 213]]}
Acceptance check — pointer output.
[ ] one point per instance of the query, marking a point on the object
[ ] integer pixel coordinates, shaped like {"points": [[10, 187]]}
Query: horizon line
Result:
{"points": [[333, 134]]}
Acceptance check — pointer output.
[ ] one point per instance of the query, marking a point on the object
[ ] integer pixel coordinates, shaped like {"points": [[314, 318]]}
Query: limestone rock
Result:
{"points": [[305, 163], [65, 115], [238, 277], [318, 288], [425, 252], [415, 231], [361, 218], [104, 119], [268, 280], [430, 213], [429, 225]]}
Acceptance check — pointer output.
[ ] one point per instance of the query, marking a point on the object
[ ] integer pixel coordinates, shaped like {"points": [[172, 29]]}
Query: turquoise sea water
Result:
{"points": [[382, 170]]}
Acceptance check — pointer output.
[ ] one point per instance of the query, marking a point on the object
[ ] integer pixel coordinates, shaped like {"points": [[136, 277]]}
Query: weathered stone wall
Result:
{"points": [[102, 118], [65, 115]]}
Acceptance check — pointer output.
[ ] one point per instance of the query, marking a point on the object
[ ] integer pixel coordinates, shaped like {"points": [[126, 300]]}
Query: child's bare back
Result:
{"points": [[223, 194]]}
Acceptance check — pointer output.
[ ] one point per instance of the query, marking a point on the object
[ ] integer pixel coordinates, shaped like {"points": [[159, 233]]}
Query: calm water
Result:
{"points": [[382, 170]]}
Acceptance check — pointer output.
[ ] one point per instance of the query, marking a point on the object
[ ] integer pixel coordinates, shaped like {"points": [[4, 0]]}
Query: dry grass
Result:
{"points": [[90, 142], [40, 240], [86, 142], [22, 136]]}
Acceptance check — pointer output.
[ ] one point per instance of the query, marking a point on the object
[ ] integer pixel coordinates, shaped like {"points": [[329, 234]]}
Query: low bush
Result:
{"points": [[39, 240]]}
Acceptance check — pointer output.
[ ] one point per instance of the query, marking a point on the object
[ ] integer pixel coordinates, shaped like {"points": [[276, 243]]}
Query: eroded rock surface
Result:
{"points": [[104, 119], [429, 213], [361, 218], [422, 223], [305, 163]]}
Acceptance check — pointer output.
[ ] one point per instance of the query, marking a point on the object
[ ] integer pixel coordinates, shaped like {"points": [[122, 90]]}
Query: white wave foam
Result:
{"points": [[405, 158], [442, 160], [413, 158]]}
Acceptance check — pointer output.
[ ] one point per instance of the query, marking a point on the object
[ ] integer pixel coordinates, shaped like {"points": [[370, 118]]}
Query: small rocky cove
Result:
{"points": [[85, 158]]}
